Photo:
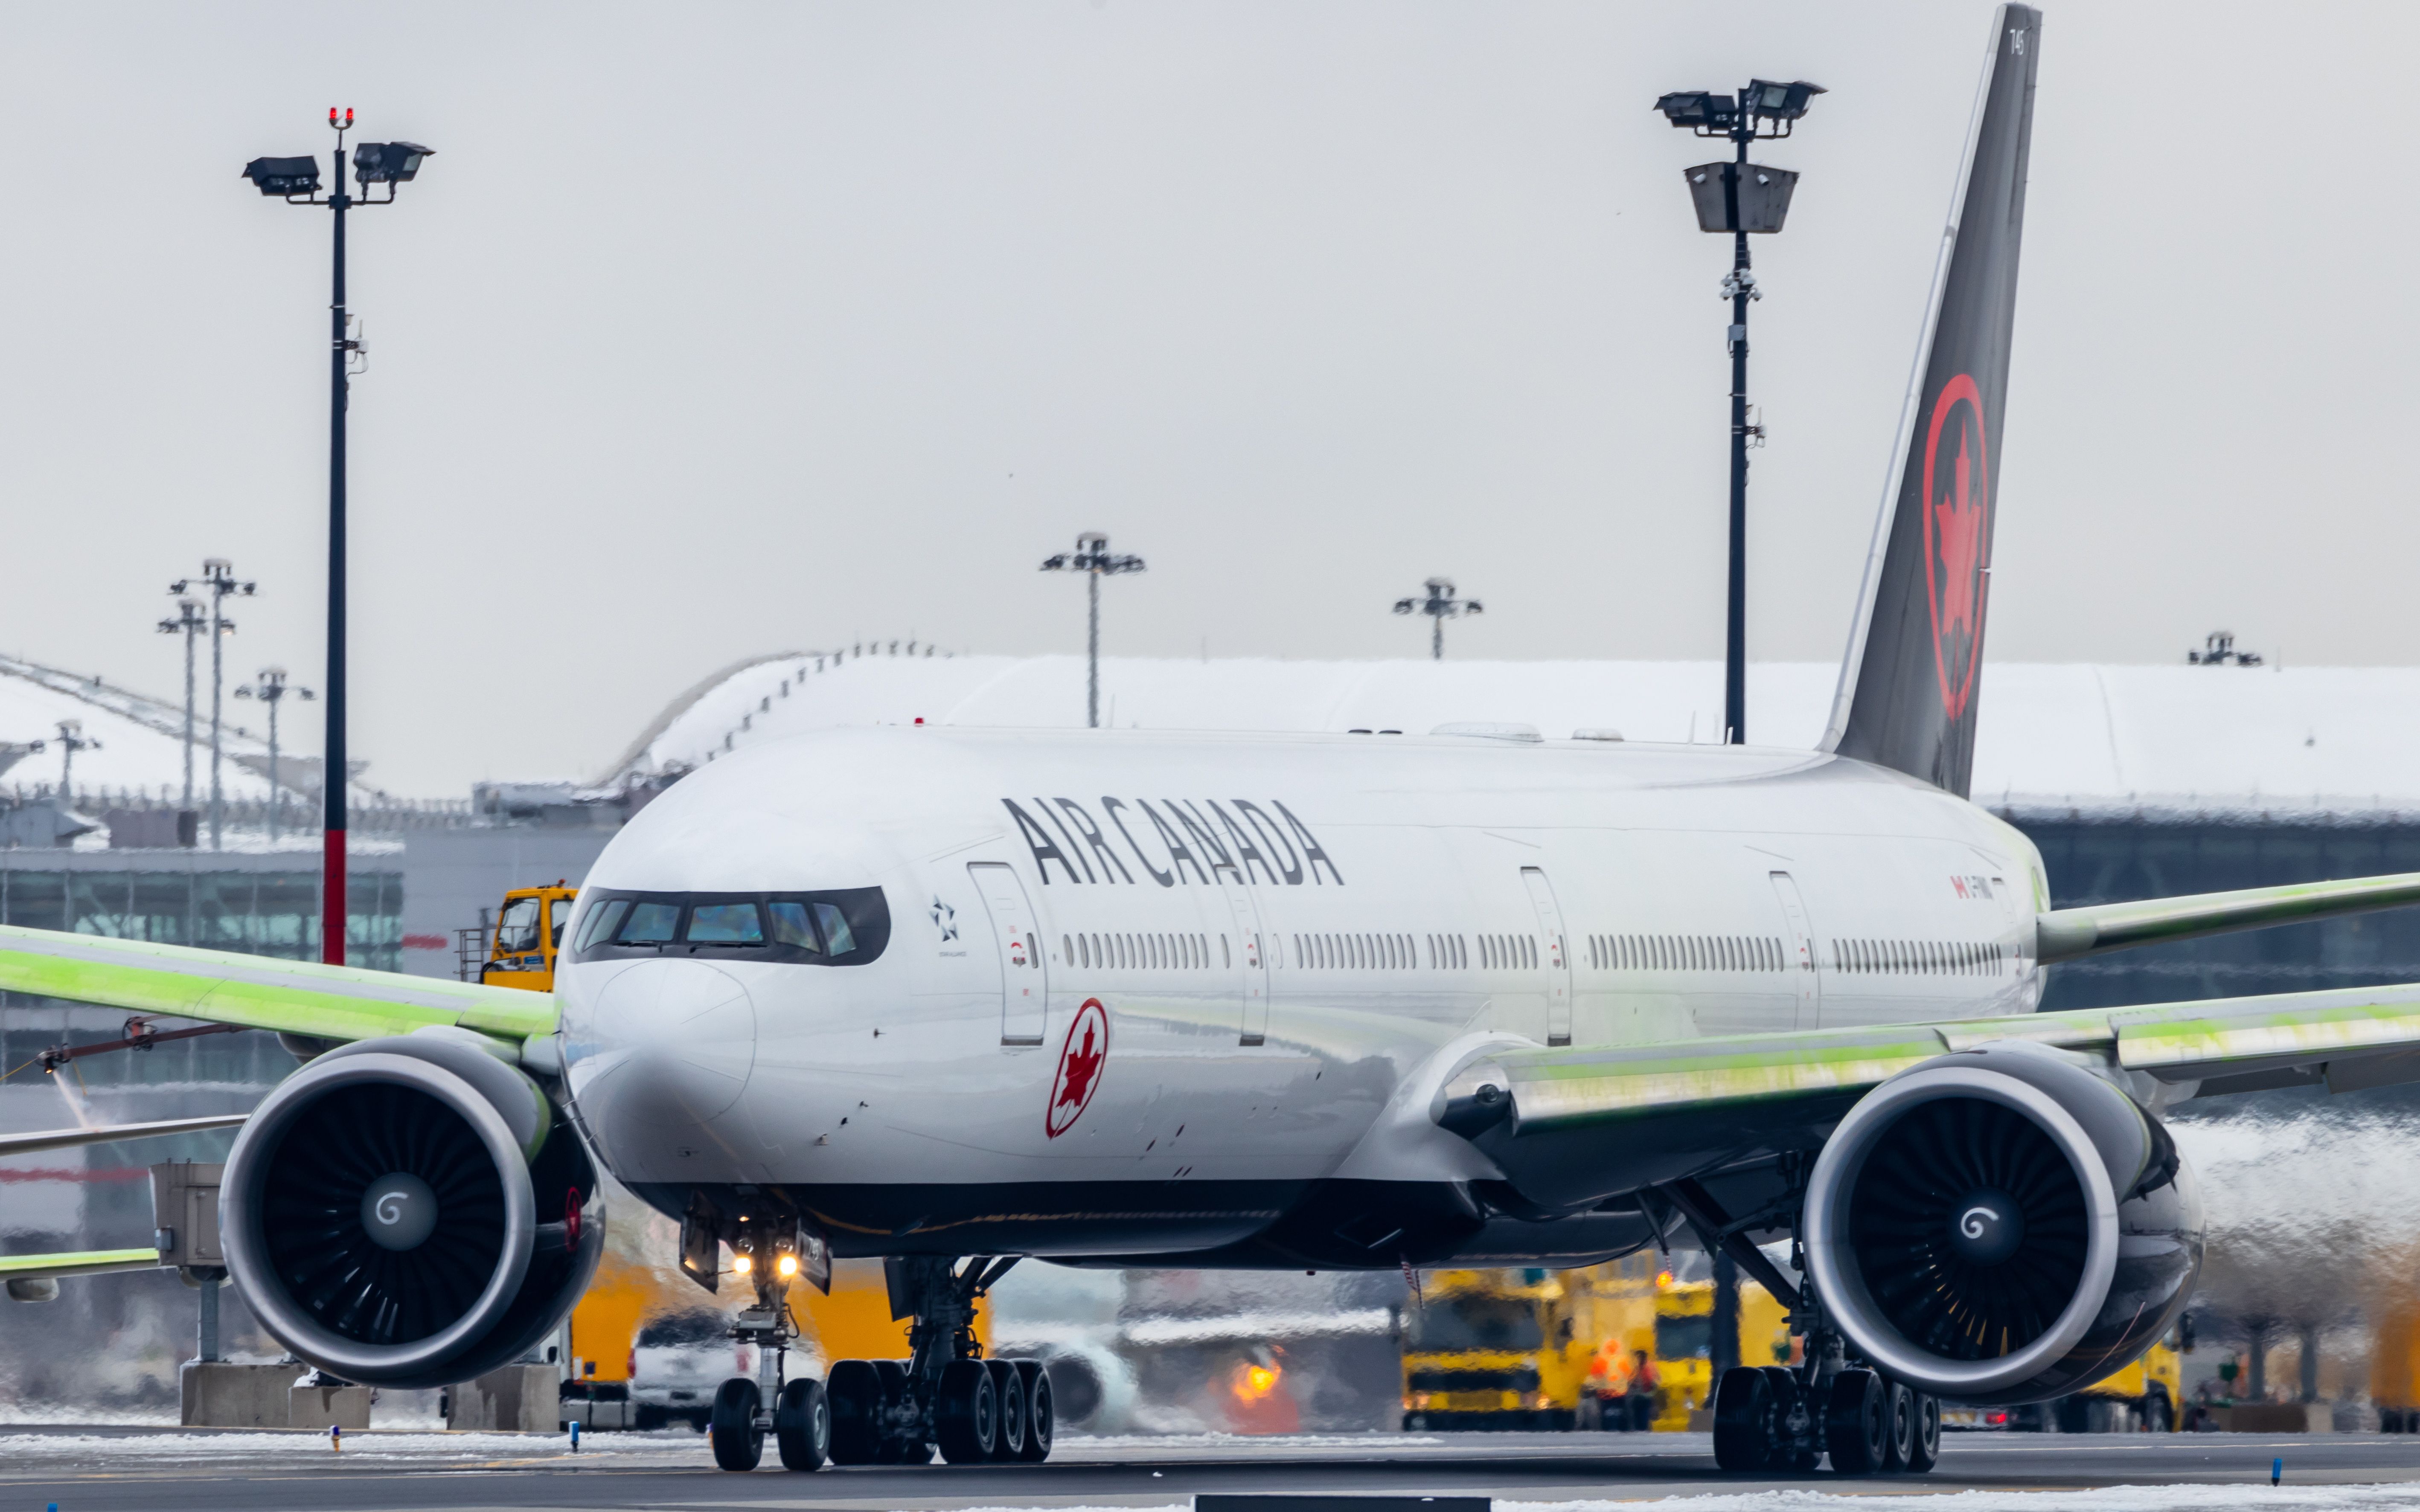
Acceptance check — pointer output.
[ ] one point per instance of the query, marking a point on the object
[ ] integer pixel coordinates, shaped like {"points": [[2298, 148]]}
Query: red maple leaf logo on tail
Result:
{"points": [[1081, 1058], [1956, 510]]}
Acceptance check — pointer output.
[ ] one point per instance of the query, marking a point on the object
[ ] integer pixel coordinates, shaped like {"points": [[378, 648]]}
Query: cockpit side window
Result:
{"points": [[844, 927]]}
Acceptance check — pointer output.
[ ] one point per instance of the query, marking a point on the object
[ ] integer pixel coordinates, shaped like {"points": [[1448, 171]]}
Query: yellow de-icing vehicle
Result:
{"points": [[527, 938], [1496, 1350], [1685, 1344]]}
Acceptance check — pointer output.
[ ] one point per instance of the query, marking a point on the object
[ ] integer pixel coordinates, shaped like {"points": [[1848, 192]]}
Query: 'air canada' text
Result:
{"points": [[1172, 840]]}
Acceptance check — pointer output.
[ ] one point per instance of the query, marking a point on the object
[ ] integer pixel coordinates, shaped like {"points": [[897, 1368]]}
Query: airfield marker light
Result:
{"points": [[1742, 199], [297, 181]]}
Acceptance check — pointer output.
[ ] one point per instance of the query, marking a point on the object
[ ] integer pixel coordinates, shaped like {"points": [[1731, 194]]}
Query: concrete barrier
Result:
{"points": [[311, 1404], [216, 1395], [519, 1398]]}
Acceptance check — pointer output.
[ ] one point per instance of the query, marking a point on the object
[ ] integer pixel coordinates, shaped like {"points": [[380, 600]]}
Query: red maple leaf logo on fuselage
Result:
{"points": [[1080, 1059]]}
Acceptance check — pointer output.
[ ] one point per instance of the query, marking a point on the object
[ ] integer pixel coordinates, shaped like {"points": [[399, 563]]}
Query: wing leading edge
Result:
{"points": [[297, 997]]}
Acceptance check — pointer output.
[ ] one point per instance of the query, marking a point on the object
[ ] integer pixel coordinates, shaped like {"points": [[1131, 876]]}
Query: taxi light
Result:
{"points": [[786, 1267], [742, 1263]]}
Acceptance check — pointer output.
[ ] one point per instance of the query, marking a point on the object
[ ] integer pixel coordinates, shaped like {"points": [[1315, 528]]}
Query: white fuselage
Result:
{"points": [[1143, 992]]}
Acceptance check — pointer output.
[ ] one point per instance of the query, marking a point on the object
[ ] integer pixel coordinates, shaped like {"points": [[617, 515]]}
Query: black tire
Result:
{"points": [[648, 1419], [1856, 1423], [739, 1443], [1008, 1390], [1743, 1422], [853, 1393], [1041, 1414], [1899, 1441], [802, 1425], [966, 1414], [1925, 1451]]}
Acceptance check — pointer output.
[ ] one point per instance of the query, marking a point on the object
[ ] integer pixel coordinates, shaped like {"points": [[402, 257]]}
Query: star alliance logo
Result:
{"points": [[945, 918]]}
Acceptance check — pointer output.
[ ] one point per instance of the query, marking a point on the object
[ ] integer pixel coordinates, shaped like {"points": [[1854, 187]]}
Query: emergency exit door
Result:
{"points": [[1024, 969], [1248, 957], [1554, 954]]}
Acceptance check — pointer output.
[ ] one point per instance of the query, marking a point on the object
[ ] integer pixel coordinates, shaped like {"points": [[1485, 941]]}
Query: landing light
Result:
{"points": [[743, 1263], [786, 1267]]}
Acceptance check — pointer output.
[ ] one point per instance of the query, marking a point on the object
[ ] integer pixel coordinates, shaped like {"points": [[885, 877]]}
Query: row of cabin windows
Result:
{"points": [[1497, 952], [1153, 952], [1927, 957], [1685, 952]]}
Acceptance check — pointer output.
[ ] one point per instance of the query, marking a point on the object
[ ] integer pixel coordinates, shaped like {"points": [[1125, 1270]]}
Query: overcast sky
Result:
{"points": [[720, 330]]}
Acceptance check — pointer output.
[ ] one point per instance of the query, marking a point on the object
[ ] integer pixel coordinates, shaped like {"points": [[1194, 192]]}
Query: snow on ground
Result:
{"points": [[2110, 1499]]}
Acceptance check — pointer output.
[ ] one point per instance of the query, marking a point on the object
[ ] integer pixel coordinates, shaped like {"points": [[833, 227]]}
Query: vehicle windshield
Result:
{"points": [[677, 1329], [1473, 1323], [517, 931], [842, 928], [1684, 1338]]}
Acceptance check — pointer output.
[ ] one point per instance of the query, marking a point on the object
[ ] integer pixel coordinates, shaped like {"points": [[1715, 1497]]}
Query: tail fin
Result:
{"points": [[1907, 692]]}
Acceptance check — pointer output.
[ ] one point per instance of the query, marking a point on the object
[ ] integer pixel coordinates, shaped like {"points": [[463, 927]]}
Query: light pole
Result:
{"points": [[296, 180], [1439, 605], [218, 579], [188, 622], [1742, 198], [71, 741], [1092, 557], [272, 689]]}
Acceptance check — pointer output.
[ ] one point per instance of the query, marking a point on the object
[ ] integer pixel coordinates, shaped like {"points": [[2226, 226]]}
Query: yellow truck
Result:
{"points": [[528, 936], [2146, 1395], [1684, 1345], [1532, 1348]]}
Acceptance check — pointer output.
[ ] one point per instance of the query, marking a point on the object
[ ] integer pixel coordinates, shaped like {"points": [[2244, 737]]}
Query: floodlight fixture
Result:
{"points": [[1771, 101], [1438, 603], [1700, 111], [1093, 558], [389, 163], [284, 177]]}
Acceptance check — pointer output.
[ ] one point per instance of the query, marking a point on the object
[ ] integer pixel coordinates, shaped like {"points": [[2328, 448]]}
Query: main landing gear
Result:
{"points": [[943, 1395], [1771, 1418]]}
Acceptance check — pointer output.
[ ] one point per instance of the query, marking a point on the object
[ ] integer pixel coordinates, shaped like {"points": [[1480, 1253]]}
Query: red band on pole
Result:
{"points": [[331, 911]]}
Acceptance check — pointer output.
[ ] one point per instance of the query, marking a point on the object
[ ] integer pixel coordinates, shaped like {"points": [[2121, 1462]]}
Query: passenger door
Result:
{"points": [[1024, 969], [1800, 943], [1250, 962], [1556, 959]]}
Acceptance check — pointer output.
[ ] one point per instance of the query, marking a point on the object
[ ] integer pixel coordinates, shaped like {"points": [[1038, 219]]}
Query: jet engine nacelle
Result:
{"points": [[410, 1211], [2001, 1226]]}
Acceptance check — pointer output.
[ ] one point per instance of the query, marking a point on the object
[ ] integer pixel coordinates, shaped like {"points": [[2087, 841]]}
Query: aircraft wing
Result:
{"points": [[298, 997], [2067, 934], [86, 1262], [1558, 1115]]}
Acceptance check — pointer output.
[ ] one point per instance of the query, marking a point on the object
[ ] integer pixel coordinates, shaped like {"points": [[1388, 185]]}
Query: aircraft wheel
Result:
{"points": [[853, 1393], [1040, 1421], [802, 1425], [1856, 1423], [966, 1414], [739, 1443], [1899, 1436], [1008, 1390], [1924, 1442], [1796, 1434], [1743, 1421]]}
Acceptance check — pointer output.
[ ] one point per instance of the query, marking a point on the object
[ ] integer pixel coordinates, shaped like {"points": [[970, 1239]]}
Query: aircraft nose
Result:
{"points": [[684, 1035]]}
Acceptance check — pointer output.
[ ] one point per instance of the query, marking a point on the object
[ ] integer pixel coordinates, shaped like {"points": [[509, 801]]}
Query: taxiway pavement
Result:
{"points": [[91, 1469]]}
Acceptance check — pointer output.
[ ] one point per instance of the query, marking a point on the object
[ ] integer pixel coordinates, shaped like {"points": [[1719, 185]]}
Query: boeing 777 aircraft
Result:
{"points": [[953, 998]]}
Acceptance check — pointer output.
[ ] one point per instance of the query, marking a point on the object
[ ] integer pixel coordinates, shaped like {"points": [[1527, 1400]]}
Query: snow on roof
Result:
{"points": [[141, 741], [2053, 736]]}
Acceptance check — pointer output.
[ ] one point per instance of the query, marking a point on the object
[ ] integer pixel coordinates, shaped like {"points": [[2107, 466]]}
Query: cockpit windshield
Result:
{"points": [[847, 927]]}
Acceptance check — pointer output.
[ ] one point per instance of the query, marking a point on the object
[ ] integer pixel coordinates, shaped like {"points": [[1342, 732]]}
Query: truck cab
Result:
{"points": [[528, 936]]}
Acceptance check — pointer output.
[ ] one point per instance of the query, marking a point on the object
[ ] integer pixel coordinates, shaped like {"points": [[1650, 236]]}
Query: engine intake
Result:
{"points": [[382, 1211], [2001, 1226]]}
